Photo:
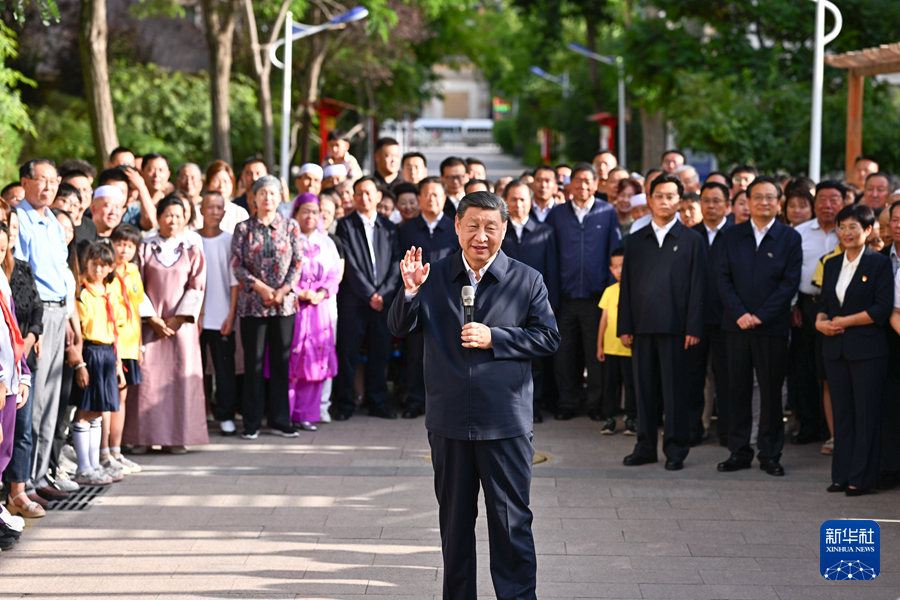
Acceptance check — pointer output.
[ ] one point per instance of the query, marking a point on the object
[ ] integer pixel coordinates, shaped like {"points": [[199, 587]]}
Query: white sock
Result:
{"points": [[81, 439], [115, 450], [96, 434]]}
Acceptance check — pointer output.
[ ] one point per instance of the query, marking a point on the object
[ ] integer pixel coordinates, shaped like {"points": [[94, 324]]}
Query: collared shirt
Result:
{"points": [[519, 227], [895, 259], [580, 213], [42, 244], [711, 233], [662, 231], [759, 234], [433, 224], [897, 290], [644, 221], [816, 243], [369, 226], [455, 201], [473, 278], [541, 213], [848, 268]]}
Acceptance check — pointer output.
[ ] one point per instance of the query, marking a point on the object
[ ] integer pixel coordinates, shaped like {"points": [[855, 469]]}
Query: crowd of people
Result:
{"points": [[143, 308]]}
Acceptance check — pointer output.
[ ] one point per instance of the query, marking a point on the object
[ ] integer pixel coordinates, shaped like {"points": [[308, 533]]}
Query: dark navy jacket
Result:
{"points": [[871, 290], [663, 289], [359, 283], [584, 248], [473, 394], [435, 246], [761, 281], [537, 250], [714, 307]]}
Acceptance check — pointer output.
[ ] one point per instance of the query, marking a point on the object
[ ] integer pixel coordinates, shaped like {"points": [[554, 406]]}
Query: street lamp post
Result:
{"points": [[821, 40], [567, 91], [613, 61], [292, 32]]}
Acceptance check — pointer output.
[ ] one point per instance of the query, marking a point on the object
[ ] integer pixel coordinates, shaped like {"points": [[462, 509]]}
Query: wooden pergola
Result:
{"points": [[859, 64]]}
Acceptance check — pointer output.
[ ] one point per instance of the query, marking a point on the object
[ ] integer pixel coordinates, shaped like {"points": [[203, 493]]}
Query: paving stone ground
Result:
{"points": [[349, 511]]}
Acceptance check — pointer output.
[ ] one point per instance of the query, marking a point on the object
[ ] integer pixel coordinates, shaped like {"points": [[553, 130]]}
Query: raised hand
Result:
{"points": [[413, 272]]}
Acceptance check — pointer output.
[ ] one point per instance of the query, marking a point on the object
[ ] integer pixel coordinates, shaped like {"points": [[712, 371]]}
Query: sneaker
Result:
{"points": [[324, 416], [125, 462], [64, 483], [93, 477], [828, 447], [249, 435], [287, 432], [15, 522], [67, 466], [228, 427], [609, 428], [630, 427], [109, 463], [114, 474]]}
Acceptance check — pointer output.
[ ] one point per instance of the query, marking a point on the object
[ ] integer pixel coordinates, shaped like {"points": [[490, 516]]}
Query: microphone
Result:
{"points": [[468, 300]]}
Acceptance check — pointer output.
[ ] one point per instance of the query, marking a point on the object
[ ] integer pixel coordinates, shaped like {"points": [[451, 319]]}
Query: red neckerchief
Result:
{"points": [[110, 312], [15, 335], [124, 294]]}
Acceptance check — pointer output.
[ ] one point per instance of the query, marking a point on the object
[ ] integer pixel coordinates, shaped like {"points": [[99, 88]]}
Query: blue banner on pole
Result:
{"points": [[850, 550]]}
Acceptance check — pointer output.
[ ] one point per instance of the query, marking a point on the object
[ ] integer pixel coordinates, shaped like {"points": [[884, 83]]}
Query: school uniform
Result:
{"points": [[129, 292], [101, 316]]}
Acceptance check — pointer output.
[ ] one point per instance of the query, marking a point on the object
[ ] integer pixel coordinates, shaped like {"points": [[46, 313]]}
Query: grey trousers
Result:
{"points": [[45, 398]]}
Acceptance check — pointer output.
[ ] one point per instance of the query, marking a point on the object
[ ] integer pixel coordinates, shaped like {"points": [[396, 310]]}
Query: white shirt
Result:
{"points": [[759, 234], [581, 212], [432, 225], [644, 221], [816, 243], [895, 259], [848, 268], [519, 227], [711, 233], [396, 218], [473, 278], [897, 290], [369, 226], [219, 280], [662, 231], [541, 213], [455, 201]]}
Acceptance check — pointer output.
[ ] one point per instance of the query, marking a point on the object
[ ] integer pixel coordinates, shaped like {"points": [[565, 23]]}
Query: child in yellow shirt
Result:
{"points": [[100, 374], [129, 290], [616, 358]]}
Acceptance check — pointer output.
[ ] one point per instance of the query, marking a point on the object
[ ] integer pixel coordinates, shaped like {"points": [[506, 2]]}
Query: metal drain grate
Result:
{"points": [[83, 499]]}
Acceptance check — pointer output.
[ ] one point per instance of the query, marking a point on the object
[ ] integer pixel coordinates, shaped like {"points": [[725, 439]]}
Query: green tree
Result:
{"points": [[14, 119]]}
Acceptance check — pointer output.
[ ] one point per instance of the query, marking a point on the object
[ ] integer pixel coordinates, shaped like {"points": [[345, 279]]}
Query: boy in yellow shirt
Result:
{"points": [[615, 357]]}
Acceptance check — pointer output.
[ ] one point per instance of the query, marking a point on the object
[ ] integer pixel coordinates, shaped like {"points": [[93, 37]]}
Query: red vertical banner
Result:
{"points": [[544, 135], [327, 119]]}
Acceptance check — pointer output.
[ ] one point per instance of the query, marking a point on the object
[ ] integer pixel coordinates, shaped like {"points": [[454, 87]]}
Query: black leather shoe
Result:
{"points": [[674, 465], [836, 487], [564, 414], [341, 415], [858, 492], [888, 481], [382, 412], [634, 460], [596, 415], [413, 411], [772, 467], [733, 464], [538, 418]]}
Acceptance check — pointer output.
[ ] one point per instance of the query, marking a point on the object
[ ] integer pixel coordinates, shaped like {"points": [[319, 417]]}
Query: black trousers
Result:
{"points": [[618, 373], [543, 376], [804, 348], [890, 441], [659, 363], [415, 370], [503, 469], [355, 326], [258, 333], [711, 348], [768, 355], [221, 351], [856, 402], [578, 322]]}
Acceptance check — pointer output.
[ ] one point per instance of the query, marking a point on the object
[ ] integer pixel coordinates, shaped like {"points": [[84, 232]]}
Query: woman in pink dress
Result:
{"points": [[168, 408], [313, 357]]}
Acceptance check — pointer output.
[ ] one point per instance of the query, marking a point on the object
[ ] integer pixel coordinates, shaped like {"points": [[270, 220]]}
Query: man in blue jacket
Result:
{"points": [[587, 231], [479, 393], [759, 275]]}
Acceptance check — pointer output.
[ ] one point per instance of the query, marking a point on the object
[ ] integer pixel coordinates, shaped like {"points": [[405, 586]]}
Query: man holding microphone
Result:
{"points": [[479, 392]]}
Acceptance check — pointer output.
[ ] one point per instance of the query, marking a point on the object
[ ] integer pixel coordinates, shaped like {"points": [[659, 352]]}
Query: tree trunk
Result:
{"points": [[653, 139], [219, 19], [262, 67], [92, 36], [313, 72], [592, 64]]}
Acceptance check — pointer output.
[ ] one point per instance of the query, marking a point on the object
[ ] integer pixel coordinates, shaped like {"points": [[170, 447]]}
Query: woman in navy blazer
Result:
{"points": [[856, 300]]}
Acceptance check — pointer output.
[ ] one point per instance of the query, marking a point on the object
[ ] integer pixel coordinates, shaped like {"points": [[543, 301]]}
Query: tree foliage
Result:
{"points": [[14, 119]]}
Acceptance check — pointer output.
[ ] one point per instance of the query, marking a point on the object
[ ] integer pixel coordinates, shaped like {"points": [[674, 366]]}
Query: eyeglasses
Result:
{"points": [[709, 201], [855, 228], [455, 177], [764, 198], [45, 182]]}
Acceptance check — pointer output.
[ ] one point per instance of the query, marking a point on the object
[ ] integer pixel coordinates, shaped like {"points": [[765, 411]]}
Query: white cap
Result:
{"points": [[338, 170], [313, 168], [109, 191], [566, 179], [895, 193], [639, 200]]}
